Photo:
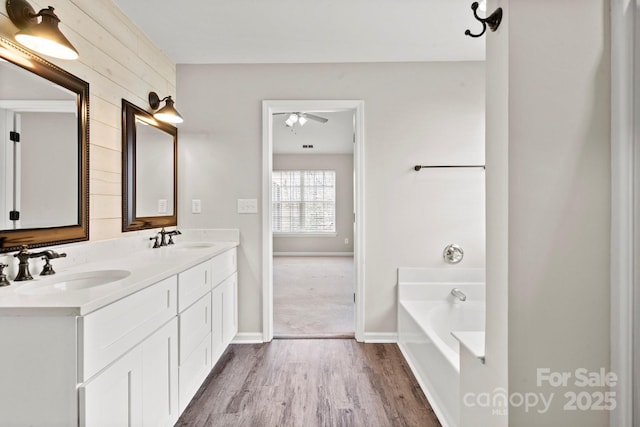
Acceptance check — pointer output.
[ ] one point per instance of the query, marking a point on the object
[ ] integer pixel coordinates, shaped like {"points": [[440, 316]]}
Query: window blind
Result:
{"points": [[304, 201]]}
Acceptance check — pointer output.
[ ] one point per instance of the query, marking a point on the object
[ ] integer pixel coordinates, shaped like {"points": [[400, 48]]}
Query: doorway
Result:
{"points": [[273, 111]]}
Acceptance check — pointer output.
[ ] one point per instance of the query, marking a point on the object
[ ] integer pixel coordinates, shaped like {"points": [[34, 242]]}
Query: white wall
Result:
{"points": [[493, 375], [415, 113], [552, 86], [343, 165], [118, 61]]}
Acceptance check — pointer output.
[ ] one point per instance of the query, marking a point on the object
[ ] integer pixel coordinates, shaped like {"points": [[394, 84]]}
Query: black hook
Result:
{"points": [[493, 20]]}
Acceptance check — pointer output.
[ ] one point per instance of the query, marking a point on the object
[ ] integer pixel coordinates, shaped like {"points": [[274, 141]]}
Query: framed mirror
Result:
{"points": [[44, 162], [149, 170]]}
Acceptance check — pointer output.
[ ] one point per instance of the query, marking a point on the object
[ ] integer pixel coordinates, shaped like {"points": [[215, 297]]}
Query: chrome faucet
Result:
{"points": [[23, 265], [457, 293]]}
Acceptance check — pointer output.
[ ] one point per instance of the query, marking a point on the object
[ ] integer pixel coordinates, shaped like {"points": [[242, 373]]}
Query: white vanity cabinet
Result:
{"points": [[195, 330], [202, 304], [225, 322], [224, 302], [137, 389], [128, 364], [134, 361]]}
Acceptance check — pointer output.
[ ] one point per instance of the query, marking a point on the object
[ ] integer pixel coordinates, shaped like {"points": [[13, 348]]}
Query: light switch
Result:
{"points": [[247, 206], [196, 206], [162, 206]]}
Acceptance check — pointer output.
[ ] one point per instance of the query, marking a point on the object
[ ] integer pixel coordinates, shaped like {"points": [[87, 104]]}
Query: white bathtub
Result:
{"points": [[427, 314]]}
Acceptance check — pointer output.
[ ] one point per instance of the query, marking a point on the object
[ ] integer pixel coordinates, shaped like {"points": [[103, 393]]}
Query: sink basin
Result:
{"points": [[73, 282], [194, 245]]}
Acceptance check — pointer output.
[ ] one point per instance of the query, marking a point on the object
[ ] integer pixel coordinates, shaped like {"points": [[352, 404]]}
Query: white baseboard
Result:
{"points": [[313, 254], [369, 337], [248, 338], [380, 337]]}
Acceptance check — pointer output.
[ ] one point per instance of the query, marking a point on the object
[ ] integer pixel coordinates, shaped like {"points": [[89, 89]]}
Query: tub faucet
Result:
{"points": [[457, 293]]}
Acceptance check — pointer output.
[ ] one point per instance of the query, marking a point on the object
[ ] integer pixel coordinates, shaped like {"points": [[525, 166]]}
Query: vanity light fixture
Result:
{"points": [[43, 37], [168, 113]]}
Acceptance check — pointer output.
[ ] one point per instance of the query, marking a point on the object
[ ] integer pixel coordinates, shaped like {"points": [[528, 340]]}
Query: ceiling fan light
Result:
{"points": [[302, 120], [293, 118]]}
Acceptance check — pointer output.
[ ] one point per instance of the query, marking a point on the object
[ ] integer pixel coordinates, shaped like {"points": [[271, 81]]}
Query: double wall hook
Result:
{"points": [[493, 20]]}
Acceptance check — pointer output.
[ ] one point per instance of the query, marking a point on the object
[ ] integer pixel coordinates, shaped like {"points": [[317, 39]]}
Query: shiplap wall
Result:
{"points": [[119, 61]]}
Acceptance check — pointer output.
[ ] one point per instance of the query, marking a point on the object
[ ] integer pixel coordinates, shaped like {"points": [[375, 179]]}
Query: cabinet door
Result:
{"points": [[194, 371], [217, 344], [195, 325], [229, 309], [160, 377], [114, 398]]}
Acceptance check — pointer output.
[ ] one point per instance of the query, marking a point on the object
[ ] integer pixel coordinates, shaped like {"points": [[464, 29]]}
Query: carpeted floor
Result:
{"points": [[313, 297]]}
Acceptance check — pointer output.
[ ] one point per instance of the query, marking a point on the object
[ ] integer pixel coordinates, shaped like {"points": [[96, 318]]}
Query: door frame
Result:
{"points": [[269, 107]]}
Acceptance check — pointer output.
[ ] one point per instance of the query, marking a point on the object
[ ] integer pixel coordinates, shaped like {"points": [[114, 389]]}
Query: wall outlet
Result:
{"points": [[247, 206], [162, 206], [196, 206], [346, 241]]}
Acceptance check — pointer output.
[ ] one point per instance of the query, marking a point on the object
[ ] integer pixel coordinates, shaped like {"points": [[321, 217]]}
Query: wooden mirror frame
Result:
{"points": [[131, 222], [11, 240]]}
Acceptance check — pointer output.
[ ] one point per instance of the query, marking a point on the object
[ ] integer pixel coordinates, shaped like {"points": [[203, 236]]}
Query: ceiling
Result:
{"points": [[305, 31], [332, 137]]}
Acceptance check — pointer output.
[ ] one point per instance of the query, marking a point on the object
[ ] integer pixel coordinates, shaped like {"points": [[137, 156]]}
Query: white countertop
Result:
{"points": [[147, 266], [473, 341]]}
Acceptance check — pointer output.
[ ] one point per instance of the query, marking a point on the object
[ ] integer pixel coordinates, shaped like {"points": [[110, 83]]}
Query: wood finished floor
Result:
{"points": [[310, 383]]}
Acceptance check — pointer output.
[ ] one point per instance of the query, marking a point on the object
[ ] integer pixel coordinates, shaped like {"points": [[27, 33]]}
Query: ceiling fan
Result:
{"points": [[301, 118]]}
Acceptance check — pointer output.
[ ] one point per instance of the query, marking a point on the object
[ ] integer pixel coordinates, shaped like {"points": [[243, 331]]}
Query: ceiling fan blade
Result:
{"points": [[314, 117]]}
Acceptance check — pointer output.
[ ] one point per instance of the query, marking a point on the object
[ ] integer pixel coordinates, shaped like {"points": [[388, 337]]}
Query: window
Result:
{"points": [[304, 202]]}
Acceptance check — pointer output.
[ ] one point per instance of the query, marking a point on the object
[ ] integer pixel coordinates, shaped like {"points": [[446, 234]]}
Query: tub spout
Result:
{"points": [[457, 293]]}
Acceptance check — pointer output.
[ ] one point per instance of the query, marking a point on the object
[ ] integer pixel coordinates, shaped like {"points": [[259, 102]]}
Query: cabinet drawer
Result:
{"points": [[223, 266], [193, 284], [195, 324], [193, 372], [108, 333]]}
